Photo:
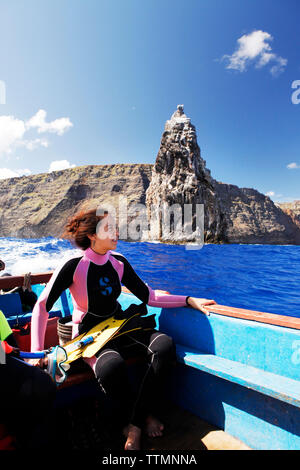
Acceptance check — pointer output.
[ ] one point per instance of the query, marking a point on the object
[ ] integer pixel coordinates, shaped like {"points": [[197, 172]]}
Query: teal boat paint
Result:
{"points": [[240, 375]]}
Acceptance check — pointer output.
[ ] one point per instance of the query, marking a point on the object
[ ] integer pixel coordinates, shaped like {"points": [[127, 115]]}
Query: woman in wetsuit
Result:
{"points": [[94, 279]]}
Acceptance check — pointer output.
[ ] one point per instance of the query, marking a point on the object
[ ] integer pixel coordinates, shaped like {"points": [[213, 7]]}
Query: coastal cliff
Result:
{"points": [[39, 205], [292, 209], [252, 217], [231, 214]]}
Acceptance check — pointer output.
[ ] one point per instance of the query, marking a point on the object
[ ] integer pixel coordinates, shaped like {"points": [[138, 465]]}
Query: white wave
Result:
{"points": [[22, 256]]}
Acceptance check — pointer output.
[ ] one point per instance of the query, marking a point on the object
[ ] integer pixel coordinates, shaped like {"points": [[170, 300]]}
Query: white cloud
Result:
{"points": [[58, 126], [13, 131], [273, 195], [255, 48], [58, 165], [7, 173], [55, 165], [34, 144], [278, 68], [293, 166]]}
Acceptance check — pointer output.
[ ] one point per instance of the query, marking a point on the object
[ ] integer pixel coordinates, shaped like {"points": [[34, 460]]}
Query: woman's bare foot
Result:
{"points": [[154, 428], [133, 434]]}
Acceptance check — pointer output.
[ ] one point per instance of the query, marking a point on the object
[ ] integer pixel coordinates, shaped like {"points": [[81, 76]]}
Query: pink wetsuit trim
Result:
{"points": [[79, 294]]}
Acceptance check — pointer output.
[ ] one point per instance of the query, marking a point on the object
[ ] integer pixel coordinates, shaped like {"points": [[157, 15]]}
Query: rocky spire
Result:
{"points": [[180, 175]]}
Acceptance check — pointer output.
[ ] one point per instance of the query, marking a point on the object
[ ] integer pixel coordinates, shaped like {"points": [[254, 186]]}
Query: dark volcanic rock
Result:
{"points": [[40, 205], [253, 218]]}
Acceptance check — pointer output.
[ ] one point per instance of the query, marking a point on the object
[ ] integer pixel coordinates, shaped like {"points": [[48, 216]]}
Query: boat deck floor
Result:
{"points": [[84, 426], [185, 431]]}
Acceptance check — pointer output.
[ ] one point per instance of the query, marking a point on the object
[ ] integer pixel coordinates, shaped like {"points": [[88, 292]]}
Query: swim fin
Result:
{"points": [[88, 344]]}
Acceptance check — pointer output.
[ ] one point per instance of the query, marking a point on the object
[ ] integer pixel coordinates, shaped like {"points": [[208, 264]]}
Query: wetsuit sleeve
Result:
{"points": [[60, 280], [144, 292]]}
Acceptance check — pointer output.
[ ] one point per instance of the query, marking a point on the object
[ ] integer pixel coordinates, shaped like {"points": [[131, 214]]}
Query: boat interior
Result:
{"points": [[222, 394]]}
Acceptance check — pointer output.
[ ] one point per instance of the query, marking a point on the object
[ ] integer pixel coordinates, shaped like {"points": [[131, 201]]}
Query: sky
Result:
{"points": [[93, 82]]}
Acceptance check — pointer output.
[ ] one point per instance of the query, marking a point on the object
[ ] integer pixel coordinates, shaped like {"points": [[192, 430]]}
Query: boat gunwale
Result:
{"points": [[9, 282]]}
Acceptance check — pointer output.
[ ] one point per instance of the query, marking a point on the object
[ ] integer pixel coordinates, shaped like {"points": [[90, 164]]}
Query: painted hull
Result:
{"points": [[240, 375]]}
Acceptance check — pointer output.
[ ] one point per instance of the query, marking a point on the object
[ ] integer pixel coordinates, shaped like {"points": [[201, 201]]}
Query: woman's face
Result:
{"points": [[107, 235]]}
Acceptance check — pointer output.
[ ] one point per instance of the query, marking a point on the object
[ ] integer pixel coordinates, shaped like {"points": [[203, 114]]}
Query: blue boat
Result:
{"points": [[237, 369]]}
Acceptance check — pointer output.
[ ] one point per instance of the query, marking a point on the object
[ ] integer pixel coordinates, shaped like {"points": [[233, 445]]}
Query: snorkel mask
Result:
{"points": [[56, 367], [56, 356]]}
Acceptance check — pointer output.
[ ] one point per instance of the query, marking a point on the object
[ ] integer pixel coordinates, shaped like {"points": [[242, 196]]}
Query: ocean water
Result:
{"points": [[257, 277]]}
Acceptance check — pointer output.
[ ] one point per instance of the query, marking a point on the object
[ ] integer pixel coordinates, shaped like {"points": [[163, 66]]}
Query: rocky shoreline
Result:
{"points": [[39, 205]]}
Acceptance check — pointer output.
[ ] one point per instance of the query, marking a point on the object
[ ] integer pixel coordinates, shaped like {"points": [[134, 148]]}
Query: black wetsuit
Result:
{"points": [[94, 281]]}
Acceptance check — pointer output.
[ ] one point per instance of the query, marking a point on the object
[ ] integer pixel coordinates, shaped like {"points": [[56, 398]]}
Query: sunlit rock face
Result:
{"points": [[292, 209], [180, 176], [40, 205]]}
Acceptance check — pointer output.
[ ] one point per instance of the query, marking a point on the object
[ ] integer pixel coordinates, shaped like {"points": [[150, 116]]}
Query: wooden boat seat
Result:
{"points": [[267, 383]]}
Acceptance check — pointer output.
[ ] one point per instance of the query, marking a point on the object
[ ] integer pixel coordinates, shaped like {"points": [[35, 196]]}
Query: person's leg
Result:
{"points": [[164, 360], [159, 349], [27, 396], [112, 375]]}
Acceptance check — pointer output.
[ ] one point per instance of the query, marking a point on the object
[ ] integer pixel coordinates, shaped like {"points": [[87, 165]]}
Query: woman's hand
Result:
{"points": [[27, 282], [200, 304]]}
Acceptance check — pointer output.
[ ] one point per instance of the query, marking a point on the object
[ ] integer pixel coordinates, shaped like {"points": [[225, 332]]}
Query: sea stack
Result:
{"points": [[180, 176]]}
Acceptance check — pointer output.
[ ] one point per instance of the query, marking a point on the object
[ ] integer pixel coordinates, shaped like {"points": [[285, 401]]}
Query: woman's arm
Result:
{"points": [[60, 280]]}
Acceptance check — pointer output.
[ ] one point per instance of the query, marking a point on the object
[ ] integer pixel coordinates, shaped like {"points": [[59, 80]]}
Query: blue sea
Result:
{"points": [[257, 277]]}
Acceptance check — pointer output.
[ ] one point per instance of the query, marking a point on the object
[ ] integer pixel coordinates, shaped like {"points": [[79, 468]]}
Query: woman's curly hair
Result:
{"points": [[81, 225]]}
